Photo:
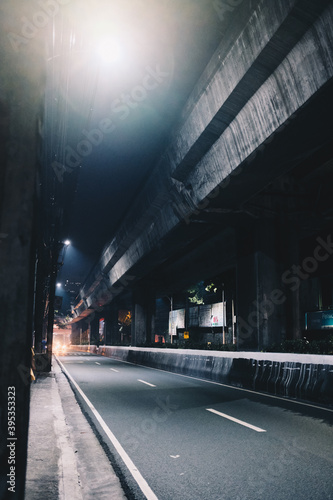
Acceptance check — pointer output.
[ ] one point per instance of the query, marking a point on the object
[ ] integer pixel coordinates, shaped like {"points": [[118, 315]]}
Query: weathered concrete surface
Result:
{"points": [[306, 377], [43, 450], [270, 34], [300, 75], [259, 87], [21, 94]]}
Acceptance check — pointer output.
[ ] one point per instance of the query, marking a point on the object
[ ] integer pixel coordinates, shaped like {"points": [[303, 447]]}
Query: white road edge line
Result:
{"points": [[97, 363], [114, 370], [142, 483], [241, 422], [143, 381]]}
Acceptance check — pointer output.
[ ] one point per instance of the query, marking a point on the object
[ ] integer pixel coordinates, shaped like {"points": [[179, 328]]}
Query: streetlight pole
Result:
{"points": [[50, 316], [53, 278], [171, 309]]}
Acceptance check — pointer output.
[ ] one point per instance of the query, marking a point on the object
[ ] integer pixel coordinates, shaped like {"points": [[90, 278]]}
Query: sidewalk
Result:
{"points": [[65, 459]]}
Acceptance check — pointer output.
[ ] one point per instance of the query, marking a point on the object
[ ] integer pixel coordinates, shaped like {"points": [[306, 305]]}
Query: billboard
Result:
{"points": [[205, 316], [219, 314], [319, 320], [176, 320]]}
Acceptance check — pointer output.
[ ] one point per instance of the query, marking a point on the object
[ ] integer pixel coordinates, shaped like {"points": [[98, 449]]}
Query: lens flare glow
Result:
{"points": [[109, 51]]}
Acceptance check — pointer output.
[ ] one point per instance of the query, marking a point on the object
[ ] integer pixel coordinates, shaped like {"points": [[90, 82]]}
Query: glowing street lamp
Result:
{"points": [[109, 51]]}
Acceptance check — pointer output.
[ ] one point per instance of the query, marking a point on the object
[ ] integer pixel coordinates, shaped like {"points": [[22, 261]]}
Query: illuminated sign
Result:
{"points": [[319, 320], [204, 316], [101, 329]]}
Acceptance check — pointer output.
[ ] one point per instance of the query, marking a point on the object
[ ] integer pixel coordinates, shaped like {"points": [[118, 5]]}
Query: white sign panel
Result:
{"points": [[212, 315], [176, 320], [205, 316], [218, 314]]}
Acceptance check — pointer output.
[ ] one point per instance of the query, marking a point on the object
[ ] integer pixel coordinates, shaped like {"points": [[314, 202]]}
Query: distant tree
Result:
{"points": [[125, 317], [211, 287], [204, 292], [196, 294]]}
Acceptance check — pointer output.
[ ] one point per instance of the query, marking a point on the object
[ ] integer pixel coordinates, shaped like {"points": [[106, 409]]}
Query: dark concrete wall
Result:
{"points": [[21, 95]]}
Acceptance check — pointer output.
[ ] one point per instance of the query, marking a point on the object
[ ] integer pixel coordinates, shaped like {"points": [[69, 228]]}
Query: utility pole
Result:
{"points": [[50, 317], [171, 309], [55, 265]]}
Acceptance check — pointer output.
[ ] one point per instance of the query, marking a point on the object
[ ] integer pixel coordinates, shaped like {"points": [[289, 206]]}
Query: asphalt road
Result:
{"points": [[191, 439]]}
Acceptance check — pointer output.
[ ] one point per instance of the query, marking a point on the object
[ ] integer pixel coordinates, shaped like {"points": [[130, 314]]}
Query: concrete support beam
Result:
{"points": [[290, 247], [111, 325], [271, 33], [94, 331], [260, 296], [301, 74], [143, 316], [75, 335], [268, 302], [307, 67]]}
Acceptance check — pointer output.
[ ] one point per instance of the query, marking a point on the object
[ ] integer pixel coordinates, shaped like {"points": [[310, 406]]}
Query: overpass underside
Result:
{"points": [[241, 195]]}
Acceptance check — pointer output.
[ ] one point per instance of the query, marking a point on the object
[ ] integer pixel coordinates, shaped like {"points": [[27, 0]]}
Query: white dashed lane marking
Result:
{"points": [[233, 419], [147, 383]]}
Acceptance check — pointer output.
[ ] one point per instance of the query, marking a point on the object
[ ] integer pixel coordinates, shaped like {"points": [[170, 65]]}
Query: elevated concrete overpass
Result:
{"points": [[242, 191]]}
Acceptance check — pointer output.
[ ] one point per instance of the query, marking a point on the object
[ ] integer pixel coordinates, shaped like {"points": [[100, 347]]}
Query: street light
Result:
{"points": [[109, 51]]}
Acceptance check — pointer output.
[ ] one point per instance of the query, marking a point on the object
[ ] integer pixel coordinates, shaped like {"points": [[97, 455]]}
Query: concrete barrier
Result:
{"points": [[305, 377]]}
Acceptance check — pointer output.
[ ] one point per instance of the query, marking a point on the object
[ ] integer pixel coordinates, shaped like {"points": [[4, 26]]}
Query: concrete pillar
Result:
{"points": [[143, 314], [75, 336], [327, 291], [111, 325], [260, 298], [94, 331], [139, 324], [290, 256], [162, 317]]}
